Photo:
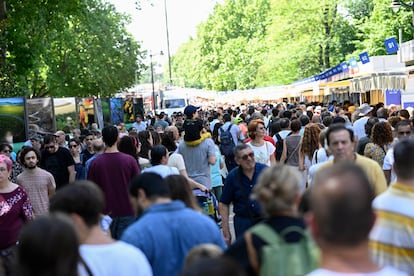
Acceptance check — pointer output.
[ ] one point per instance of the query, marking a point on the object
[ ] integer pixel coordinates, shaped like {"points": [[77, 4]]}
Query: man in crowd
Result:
{"points": [[340, 220], [365, 111], [403, 130], [341, 143], [392, 240], [98, 149], [38, 183], [58, 161], [237, 190], [139, 124], [112, 171], [197, 160], [167, 230], [88, 152], [83, 201], [61, 138], [235, 134]]}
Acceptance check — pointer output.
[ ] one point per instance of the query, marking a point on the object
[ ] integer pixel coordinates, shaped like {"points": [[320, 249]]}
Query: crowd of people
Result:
{"points": [[284, 189]]}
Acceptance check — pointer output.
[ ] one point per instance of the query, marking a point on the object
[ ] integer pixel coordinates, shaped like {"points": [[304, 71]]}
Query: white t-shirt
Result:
{"points": [[386, 271], [388, 162], [162, 170], [262, 153], [117, 258]]}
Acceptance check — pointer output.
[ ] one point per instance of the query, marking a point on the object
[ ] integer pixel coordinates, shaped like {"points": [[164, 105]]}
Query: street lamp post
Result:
{"points": [[152, 79], [168, 42], [397, 4]]}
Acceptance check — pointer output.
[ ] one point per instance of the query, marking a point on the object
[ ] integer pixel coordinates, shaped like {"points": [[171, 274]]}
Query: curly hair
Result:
{"points": [[252, 127], [310, 140], [277, 188], [381, 134]]}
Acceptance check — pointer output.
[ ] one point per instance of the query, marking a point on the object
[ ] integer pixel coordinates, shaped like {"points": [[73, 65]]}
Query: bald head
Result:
{"points": [[340, 201], [98, 146]]}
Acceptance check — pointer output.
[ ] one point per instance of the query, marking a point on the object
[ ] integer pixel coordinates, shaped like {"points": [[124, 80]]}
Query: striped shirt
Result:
{"points": [[392, 238]]}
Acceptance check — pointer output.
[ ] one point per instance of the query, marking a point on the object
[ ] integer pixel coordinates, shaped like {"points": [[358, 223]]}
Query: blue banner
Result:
{"points": [[392, 96], [391, 45], [364, 57], [353, 63]]}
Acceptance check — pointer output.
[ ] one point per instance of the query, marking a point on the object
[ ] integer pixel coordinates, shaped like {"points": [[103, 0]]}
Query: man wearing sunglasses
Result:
{"points": [[237, 190], [58, 161]]}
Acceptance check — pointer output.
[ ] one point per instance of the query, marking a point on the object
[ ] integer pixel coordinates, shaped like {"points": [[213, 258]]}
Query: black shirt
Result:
{"points": [[57, 164]]}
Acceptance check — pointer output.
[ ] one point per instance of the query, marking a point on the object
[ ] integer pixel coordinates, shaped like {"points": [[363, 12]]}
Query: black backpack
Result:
{"points": [[226, 141], [279, 146]]}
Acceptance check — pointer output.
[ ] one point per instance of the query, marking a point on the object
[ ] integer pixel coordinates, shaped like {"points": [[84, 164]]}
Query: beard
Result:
{"points": [[31, 166]]}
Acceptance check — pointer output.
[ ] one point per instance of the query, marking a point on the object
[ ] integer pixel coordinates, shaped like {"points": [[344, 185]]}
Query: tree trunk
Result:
{"points": [[3, 44]]}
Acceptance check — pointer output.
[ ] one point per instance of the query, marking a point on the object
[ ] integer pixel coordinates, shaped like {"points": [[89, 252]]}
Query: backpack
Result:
{"points": [[226, 141], [280, 258], [279, 146], [208, 203]]}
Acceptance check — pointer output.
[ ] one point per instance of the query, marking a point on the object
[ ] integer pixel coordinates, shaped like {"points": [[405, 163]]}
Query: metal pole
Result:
{"points": [[152, 81], [168, 42]]}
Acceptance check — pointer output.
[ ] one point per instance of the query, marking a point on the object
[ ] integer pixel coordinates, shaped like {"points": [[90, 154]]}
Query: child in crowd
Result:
{"points": [[194, 132]]}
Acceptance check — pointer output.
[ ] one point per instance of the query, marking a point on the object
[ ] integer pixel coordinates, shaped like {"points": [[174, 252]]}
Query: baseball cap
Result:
{"points": [[190, 110]]}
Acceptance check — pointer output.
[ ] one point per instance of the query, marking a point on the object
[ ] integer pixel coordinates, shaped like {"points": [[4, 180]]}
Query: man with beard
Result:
{"points": [[38, 183]]}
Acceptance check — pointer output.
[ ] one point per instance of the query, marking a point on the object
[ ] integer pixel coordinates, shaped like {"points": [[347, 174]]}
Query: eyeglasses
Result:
{"points": [[73, 146], [246, 156], [6, 151]]}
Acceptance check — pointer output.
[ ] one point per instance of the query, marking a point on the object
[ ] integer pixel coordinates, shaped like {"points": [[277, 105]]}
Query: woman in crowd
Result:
{"points": [[291, 144], [263, 150], [146, 141], [49, 246], [15, 210], [129, 145], [74, 147], [381, 137], [17, 169], [180, 190], [309, 144], [278, 191]]}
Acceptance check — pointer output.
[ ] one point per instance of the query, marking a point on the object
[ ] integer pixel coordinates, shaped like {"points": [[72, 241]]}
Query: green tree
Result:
{"points": [[70, 48]]}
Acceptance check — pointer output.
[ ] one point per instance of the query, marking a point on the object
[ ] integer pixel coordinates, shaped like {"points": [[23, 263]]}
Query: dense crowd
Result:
{"points": [[269, 189]]}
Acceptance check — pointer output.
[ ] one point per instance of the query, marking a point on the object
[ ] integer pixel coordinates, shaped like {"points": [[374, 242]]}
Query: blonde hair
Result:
{"points": [[277, 188]]}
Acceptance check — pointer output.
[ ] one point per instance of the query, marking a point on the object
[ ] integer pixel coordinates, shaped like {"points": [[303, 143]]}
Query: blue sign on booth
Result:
{"points": [[392, 96], [391, 45], [344, 66], [364, 57], [353, 63]]}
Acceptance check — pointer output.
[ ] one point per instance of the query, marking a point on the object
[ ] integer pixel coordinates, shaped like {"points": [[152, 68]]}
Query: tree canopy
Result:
{"points": [[256, 43], [66, 48]]}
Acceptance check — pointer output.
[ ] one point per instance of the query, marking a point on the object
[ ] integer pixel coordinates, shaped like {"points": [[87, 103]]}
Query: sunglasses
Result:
{"points": [[246, 156], [73, 146]]}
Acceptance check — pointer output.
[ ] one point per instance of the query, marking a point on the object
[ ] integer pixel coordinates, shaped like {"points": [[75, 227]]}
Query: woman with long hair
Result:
{"points": [[381, 138], [129, 145], [308, 145], [180, 190], [74, 148], [146, 141], [263, 150]]}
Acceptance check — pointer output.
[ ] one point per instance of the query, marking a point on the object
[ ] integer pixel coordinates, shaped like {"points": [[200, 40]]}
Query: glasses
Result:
{"points": [[246, 156], [6, 151], [73, 146]]}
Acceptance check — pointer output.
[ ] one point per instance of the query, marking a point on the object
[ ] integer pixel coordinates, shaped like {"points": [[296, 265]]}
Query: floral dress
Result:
{"points": [[376, 152]]}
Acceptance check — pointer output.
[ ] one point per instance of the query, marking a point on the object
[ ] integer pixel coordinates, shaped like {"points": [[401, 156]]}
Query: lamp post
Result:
{"points": [[152, 79], [397, 4], [168, 42]]}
